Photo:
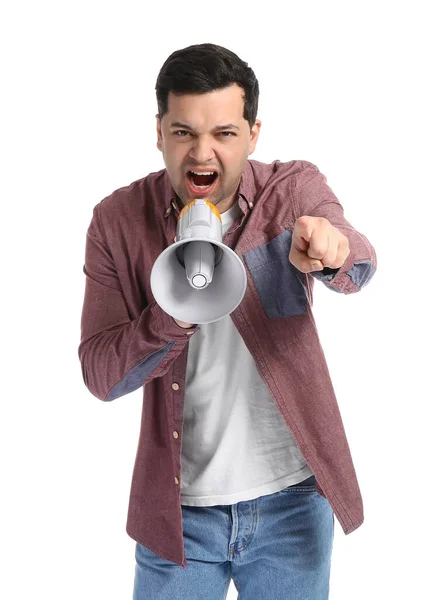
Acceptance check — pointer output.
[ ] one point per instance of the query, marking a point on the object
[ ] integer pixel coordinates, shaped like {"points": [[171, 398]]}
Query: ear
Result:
{"points": [[159, 133], [254, 134]]}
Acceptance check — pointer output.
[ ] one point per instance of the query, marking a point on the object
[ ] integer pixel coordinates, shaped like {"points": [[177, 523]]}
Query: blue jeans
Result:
{"points": [[275, 547]]}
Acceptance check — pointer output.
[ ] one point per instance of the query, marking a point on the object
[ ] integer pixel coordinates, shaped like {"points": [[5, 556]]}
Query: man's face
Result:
{"points": [[206, 132]]}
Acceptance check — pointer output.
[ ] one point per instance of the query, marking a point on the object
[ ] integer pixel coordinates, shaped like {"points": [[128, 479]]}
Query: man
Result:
{"points": [[242, 457]]}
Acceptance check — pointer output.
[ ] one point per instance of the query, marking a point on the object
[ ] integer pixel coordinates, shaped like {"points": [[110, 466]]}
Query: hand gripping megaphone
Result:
{"points": [[198, 279]]}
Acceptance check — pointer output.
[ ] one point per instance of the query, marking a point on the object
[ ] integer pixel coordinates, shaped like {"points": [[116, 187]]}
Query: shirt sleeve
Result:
{"points": [[316, 199], [118, 355]]}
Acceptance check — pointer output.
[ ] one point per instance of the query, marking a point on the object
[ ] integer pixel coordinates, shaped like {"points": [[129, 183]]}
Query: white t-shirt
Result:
{"points": [[236, 445]]}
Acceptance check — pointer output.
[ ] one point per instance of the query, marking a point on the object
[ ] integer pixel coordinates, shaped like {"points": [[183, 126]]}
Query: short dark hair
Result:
{"points": [[204, 68]]}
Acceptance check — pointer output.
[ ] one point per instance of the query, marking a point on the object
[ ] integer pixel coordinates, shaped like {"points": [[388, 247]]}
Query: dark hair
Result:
{"points": [[204, 68]]}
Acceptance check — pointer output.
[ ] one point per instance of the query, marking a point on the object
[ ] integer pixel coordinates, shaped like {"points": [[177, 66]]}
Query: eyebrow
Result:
{"points": [[185, 126]]}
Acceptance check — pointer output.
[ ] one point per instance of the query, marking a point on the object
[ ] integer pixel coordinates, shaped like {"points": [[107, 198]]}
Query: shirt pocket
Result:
{"points": [[279, 284]]}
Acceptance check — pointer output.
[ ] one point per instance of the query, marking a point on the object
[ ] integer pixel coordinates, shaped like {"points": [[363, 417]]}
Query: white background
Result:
{"points": [[348, 86]]}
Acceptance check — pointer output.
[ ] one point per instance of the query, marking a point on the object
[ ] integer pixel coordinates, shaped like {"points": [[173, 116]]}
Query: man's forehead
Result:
{"points": [[232, 95], [231, 91], [214, 110]]}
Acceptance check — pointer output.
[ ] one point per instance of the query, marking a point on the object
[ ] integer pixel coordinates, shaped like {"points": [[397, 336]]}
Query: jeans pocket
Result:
{"points": [[279, 284]]}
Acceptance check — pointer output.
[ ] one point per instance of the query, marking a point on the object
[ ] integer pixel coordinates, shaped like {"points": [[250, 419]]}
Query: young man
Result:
{"points": [[242, 457]]}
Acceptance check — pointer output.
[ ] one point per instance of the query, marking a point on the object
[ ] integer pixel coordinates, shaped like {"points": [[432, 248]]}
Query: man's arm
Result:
{"points": [[119, 355], [316, 199]]}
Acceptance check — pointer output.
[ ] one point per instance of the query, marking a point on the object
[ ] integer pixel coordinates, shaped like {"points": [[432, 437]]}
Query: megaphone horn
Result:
{"points": [[198, 279]]}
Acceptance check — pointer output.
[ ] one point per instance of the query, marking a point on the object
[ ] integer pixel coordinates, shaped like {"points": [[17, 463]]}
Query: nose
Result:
{"points": [[202, 149]]}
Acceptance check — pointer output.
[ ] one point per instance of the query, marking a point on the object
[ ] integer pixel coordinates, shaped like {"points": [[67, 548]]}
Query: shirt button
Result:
{"points": [[175, 434], [190, 333], [251, 204], [175, 386], [176, 480], [167, 212]]}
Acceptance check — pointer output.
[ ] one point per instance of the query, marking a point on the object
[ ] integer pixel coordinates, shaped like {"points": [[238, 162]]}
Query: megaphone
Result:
{"points": [[198, 279]]}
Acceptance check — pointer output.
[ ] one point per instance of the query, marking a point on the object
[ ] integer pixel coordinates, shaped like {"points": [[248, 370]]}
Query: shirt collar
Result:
{"points": [[246, 192]]}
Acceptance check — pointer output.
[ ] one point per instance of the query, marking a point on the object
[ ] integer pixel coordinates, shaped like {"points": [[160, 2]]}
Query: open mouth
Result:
{"points": [[201, 182]]}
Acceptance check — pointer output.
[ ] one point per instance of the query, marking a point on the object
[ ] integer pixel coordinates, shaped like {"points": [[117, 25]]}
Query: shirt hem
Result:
{"points": [[261, 490]]}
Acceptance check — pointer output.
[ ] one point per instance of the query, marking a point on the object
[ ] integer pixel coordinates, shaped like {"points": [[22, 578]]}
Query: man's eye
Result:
{"points": [[182, 133]]}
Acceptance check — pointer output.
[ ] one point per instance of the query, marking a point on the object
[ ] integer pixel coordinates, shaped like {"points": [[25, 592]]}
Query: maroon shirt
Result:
{"points": [[128, 341]]}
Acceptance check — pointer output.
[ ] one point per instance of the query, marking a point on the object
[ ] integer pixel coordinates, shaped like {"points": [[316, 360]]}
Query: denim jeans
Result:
{"points": [[275, 547]]}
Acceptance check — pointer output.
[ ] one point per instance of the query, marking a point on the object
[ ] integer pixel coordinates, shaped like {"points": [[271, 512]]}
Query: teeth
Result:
{"points": [[203, 172]]}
